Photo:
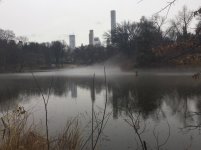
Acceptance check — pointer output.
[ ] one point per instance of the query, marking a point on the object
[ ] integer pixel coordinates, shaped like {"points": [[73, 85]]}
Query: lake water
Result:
{"points": [[166, 104]]}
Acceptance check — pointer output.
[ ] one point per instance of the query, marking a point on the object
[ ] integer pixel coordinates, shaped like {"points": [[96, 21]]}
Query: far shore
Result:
{"points": [[122, 67]]}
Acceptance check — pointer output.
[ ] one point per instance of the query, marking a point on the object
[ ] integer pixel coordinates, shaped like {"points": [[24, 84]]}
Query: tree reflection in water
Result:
{"points": [[153, 96]]}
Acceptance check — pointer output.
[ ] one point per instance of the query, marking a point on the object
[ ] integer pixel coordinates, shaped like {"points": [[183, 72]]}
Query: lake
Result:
{"points": [[164, 105]]}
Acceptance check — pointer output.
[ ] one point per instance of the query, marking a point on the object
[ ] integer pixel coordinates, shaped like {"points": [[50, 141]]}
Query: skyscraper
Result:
{"points": [[91, 37], [72, 41], [113, 19]]}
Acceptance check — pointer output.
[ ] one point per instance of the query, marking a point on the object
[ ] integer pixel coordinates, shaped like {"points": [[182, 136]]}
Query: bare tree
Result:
{"points": [[167, 7], [184, 19], [134, 121], [7, 35], [22, 39], [45, 101], [156, 136], [159, 21], [198, 12], [180, 25]]}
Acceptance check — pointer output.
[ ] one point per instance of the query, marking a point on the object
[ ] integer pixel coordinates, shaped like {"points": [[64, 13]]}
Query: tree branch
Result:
{"points": [[168, 6]]}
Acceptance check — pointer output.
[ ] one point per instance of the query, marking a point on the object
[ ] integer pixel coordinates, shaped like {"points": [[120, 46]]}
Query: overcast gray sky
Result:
{"points": [[47, 20]]}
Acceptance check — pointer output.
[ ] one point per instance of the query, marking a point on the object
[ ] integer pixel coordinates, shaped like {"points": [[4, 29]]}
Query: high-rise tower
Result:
{"points": [[113, 19], [91, 37], [72, 41]]}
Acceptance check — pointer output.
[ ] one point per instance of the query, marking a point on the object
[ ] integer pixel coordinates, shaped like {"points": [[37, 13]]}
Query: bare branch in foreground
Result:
{"points": [[102, 122], [168, 6], [156, 136], [45, 100]]}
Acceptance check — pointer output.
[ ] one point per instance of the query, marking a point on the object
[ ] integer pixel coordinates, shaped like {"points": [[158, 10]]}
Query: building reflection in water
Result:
{"points": [[144, 94]]}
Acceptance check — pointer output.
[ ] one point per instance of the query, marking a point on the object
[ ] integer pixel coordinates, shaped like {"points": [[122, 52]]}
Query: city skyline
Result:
{"points": [[94, 40], [50, 20]]}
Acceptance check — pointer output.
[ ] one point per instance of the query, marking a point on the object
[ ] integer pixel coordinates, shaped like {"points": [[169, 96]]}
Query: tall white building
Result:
{"points": [[72, 41], [113, 19], [91, 37]]}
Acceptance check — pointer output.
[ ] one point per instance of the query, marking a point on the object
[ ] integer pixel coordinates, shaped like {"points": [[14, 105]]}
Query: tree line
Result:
{"points": [[17, 54], [146, 42], [154, 40]]}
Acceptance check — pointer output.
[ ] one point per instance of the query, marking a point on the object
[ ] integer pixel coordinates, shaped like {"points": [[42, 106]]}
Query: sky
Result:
{"points": [[50, 20]]}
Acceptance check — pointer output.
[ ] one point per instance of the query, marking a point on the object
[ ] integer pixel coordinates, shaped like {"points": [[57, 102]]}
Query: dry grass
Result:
{"points": [[70, 138], [16, 134]]}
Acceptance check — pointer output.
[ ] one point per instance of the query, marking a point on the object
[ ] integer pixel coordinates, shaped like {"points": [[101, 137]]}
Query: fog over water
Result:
{"points": [[111, 70], [100, 74], [160, 95]]}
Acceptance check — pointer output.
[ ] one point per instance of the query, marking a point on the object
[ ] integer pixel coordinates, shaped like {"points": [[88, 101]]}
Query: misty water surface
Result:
{"points": [[160, 98]]}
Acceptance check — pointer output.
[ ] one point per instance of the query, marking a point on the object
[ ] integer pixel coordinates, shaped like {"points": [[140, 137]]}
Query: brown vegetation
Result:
{"points": [[18, 135]]}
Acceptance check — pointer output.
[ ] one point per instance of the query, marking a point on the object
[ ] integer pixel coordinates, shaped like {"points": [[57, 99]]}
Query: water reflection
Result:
{"points": [[157, 98], [148, 93]]}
